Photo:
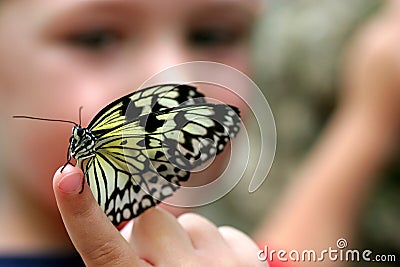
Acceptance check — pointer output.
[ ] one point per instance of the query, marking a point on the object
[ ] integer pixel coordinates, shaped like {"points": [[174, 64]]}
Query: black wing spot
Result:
{"points": [[136, 188], [141, 143], [124, 105], [187, 90], [153, 179], [180, 120], [159, 154], [155, 106], [124, 142], [131, 112], [162, 168], [235, 109], [150, 122]]}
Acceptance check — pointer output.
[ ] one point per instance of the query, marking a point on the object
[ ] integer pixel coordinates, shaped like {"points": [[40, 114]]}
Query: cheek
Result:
{"points": [[34, 151]]}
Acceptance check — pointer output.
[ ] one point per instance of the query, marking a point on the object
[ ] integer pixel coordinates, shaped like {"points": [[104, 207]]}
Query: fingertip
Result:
{"points": [[68, 179], [151, 219], [66, 170], [156, 229], [200, 231]]}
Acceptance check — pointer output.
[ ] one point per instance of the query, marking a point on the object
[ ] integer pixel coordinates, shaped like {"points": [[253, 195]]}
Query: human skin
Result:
{"points": [[156, 239], [59, 55]]}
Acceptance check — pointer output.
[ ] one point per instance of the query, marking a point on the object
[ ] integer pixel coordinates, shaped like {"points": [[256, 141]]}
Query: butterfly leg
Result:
{"points": [[63, 167], [84, 175], [68, 158], [82, 187]]}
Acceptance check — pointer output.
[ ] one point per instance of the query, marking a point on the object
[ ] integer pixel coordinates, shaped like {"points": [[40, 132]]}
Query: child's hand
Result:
{"points": [[157, 238]]}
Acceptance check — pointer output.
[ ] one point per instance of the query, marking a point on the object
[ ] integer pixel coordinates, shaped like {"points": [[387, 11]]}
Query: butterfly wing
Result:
{"points": [[141, 159], [121, 194], [138, 103], [188, 136]]}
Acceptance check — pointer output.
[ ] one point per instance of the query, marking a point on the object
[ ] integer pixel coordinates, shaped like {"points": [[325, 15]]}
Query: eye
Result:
{"points": [[211, 37], [95, 39], [78, 133]]}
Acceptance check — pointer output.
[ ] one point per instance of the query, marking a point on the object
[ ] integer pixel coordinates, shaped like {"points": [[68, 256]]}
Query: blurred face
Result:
{"points": [[59, 55]]}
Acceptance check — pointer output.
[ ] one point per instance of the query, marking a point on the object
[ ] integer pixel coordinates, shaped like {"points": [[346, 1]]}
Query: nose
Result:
{"points": [[165, 50]]}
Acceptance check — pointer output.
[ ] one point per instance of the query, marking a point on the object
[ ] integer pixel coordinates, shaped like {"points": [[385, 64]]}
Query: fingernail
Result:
{"points": [[71, 183]]}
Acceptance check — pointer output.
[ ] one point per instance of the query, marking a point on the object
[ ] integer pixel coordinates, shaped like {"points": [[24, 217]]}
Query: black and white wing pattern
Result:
{"points": [[147, 142]]}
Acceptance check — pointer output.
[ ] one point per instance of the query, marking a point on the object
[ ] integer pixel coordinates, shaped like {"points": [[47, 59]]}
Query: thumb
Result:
{"points": [[93, 235]]}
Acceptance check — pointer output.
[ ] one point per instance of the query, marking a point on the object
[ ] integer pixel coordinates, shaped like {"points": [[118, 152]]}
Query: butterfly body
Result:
{"points": [[82, 143], [137, 150]]}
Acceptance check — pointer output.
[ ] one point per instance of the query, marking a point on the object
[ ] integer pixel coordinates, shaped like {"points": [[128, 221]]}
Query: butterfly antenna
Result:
{"points": [[80, 115], [42, 119]]}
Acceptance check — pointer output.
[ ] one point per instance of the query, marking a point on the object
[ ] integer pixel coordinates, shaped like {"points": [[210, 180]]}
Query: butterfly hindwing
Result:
{"points": [[121, 191]]}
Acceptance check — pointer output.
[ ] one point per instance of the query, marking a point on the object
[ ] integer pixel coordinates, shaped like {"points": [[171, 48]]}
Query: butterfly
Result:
{"points": [[137, 150]]}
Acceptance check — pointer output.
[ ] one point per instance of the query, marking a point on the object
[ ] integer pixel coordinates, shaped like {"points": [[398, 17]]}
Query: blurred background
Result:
{"points": [[298, 49]]}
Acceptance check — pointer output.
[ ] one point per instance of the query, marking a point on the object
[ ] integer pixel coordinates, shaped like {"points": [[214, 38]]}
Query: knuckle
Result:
{"points": [[83, 211], [105, 255]]}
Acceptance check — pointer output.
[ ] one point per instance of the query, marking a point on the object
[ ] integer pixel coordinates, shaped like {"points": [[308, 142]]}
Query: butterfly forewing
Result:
{"points": [[145, 101], [148, 142], [191, 135]]}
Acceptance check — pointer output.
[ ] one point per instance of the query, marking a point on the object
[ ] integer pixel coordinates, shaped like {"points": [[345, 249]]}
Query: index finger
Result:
{"points": [[93, 235]]}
